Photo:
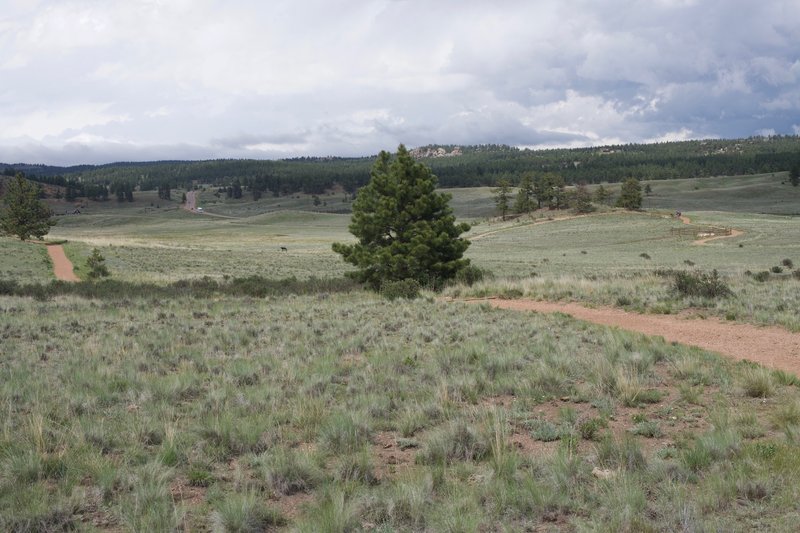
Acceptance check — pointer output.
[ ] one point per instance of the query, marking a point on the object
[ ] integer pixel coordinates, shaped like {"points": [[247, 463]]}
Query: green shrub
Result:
{"points": [[590, 429], [704, 284], [761, 276], [8, 286], [97, 265], [470, 275], [404, 288], [544, 431], [647, 428], [777, 269], [787, 263]]}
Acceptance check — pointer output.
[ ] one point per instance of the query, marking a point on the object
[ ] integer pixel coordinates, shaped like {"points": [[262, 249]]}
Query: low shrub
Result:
{"points": [[787, 263], [704, 284], [761, 276], [404, 288], [777, 269], [470, 275]]}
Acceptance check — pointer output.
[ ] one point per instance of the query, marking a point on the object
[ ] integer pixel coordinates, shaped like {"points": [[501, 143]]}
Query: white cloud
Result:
{"points": [[352, 77]]}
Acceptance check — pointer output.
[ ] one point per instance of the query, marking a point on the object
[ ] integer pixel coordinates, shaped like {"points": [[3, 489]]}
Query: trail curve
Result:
{"points": [[771, 346]]}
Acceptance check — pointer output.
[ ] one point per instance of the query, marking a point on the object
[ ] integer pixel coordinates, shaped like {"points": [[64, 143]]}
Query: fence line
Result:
{"points": [[697, 230]]}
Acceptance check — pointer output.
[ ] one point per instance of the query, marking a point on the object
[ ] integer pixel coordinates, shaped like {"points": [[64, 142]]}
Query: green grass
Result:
{"points": [[174, 406], [24, 261], [153, 414]]}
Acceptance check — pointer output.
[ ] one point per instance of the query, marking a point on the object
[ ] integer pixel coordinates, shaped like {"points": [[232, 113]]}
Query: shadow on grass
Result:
{"points": [[252, 286]]}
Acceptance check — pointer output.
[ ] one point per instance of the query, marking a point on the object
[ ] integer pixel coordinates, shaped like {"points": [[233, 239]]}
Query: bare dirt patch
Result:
{"points": [[191, 201], [62, 266], [390, 459], [770, 346]]}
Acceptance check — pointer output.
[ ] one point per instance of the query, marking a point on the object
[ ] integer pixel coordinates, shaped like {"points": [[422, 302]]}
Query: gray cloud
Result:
{"points": [[96, 82]]}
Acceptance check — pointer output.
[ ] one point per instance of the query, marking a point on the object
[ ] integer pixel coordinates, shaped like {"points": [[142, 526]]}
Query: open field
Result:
{"points": [[326, 414], [625, 260], [151, 411]]}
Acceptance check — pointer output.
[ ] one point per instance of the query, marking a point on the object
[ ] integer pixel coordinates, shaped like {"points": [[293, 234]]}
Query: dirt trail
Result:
{"points": [[770, 346], [62, 266], [191, 201]]}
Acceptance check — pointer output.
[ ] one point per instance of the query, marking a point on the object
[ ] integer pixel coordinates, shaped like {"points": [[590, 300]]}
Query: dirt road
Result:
{"points": [[770, 346], [62, 266], [191, 201]]}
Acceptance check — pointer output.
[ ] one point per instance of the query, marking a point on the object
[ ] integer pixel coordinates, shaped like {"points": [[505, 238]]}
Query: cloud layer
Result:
{"points": [[99, 81]]}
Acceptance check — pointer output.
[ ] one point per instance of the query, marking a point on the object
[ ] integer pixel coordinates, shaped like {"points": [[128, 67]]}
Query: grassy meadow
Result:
{"points": [[337, 413], [133, 408]]}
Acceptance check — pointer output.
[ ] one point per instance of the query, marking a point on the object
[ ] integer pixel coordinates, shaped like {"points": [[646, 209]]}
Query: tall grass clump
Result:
{"points": [[243, 513], [287, 471], [344, 434], [457, 441], [757, 382]]}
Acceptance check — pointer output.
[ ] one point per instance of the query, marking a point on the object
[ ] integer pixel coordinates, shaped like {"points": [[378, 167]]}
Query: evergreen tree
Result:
{"points": [[524, 201], [24, 214], [794, 175], [601, 195], [630, 196], [405, 229], [501, 196], [97, 265], [582, 200], [557, 196], [541, 188]]}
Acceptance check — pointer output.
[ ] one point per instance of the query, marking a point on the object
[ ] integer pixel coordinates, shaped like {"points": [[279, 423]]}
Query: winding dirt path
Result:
{"points": [[770, 346], [62, 266], [734, 232]]}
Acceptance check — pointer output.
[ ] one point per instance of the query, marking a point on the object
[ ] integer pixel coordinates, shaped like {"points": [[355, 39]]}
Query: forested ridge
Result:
{"points": [[456, 166]]}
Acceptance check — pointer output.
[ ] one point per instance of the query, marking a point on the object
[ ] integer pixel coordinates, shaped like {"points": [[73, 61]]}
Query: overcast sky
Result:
{"points": [[107, 80]]}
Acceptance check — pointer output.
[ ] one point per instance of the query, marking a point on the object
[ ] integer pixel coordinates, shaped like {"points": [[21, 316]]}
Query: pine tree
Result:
{"points": [[524, 201], [794, 175], [97, 265], [405, 229], [582, 200], [630, 196], [601, 194], [24, 214], [501, 196]]}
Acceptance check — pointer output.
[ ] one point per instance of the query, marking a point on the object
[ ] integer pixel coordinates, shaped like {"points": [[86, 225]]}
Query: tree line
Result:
{"points": [[483, 165]]}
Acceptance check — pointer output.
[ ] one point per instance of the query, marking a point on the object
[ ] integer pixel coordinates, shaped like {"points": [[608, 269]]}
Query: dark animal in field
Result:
{"points": [[284, 249]]}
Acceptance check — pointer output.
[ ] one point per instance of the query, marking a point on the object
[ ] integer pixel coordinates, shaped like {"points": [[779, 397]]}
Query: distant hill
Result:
{"points": [[455, 166]]}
